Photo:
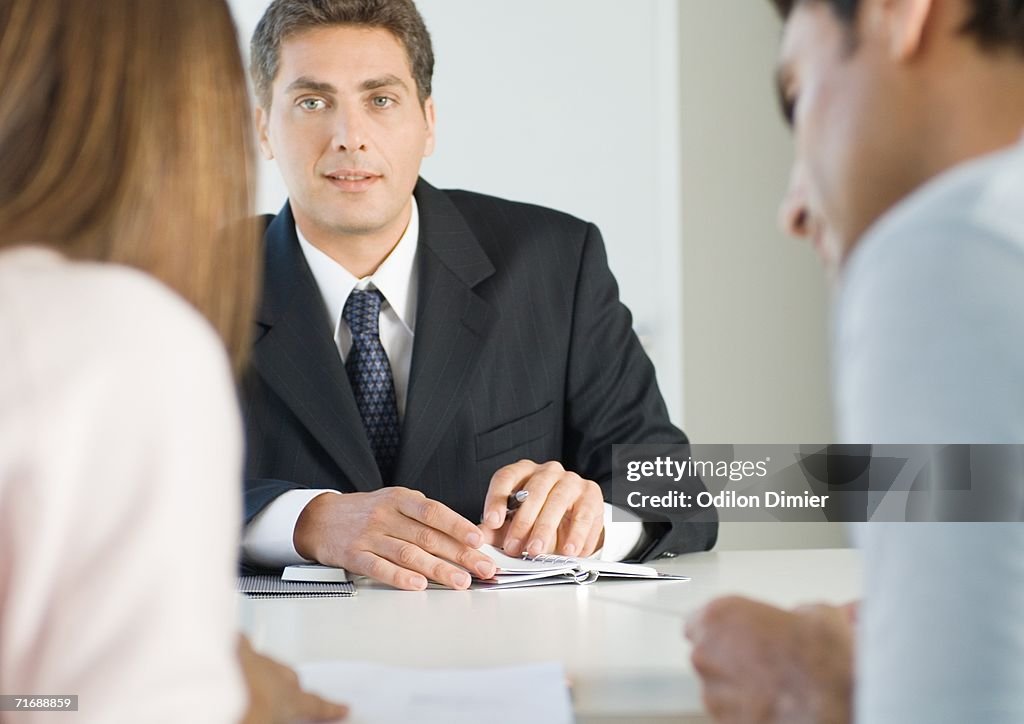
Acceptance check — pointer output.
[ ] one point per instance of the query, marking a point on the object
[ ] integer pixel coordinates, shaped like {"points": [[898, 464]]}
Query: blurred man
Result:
{"points": [[908, 117]]}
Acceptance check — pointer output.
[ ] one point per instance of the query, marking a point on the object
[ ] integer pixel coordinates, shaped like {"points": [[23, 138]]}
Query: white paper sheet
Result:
{"points": [[379, 694]]}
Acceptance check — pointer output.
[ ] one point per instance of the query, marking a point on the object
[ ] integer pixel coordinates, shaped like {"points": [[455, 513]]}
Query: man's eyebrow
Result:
{"points": [[306, 83], [383, 81]]}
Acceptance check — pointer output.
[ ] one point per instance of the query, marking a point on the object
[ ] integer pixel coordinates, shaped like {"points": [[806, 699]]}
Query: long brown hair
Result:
{"points": [[125, 136]]}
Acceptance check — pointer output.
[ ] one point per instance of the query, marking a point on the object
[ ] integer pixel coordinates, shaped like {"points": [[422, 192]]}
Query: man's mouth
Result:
{"points": [[352, 179], [351, 175]]}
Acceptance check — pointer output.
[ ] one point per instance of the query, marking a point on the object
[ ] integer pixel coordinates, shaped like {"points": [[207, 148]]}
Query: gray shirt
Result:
{"points": [[929, 348]]}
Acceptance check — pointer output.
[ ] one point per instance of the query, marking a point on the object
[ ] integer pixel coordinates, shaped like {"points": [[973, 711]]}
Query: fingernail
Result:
{"points": [[485, 569], [418, 582], [536, 547], [474, 539], [461, 580], [491, 520], [512, 546], [570, 549]]}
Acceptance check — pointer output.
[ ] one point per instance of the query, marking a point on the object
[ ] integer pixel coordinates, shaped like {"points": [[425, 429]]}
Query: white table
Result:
{"points": [[621, 642]]}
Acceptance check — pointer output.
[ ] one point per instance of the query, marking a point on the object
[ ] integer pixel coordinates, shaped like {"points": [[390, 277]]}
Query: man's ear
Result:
{"points": [[262, 119], [430, 116], [901, 23]]}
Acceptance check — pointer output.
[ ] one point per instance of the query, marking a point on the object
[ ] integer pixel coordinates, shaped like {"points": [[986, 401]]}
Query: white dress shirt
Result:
{"points": [[268, 539], [120, 452], [930, 349]]}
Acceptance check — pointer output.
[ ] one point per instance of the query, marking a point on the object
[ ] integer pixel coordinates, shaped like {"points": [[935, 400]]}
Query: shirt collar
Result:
{"points": [[395, 278]]}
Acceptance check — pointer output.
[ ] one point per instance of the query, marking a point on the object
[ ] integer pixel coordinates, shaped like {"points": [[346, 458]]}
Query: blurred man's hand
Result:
{"points": [[759, 663]]}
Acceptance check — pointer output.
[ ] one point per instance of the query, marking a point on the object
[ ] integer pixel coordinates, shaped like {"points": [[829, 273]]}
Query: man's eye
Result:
{"points": [[381, 102], [789, 109], [312, 104], [787, 104]]}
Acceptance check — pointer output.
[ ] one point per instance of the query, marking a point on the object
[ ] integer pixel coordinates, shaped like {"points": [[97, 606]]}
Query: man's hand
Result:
{"points": [[275, 696], [394, 535], [564, 513], [758, 663]]}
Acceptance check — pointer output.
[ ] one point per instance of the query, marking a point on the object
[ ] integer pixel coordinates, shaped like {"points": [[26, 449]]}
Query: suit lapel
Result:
{"points": [[452, 324], [296, 355]]}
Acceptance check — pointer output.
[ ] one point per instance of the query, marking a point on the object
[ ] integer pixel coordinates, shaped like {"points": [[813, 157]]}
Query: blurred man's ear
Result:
{"points": [[900, 24]]}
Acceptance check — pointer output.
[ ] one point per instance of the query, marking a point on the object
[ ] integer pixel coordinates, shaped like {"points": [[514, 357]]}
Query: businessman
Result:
{"points": [[908, 117], [422, 354]]}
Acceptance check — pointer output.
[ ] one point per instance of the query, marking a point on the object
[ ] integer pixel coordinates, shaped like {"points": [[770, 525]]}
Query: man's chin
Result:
{"points": [[356, 222]]}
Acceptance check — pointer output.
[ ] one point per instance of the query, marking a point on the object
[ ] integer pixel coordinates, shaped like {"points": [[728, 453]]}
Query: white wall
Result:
{"points": [[755, 305], [656, 120]]}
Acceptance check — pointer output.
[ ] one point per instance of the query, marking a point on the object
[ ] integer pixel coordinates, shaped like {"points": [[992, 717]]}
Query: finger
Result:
{"points": [[721, 702], [561, 498], [437, 515], [693, 628], [495, 538], [704, 660], [367, 563], [596, 537], [413, 558], [583, 520], [244, 647], [719, 616], [538, 485], [809, 607], [440, 544], [310, 707], [445, 547], [503, 483]]}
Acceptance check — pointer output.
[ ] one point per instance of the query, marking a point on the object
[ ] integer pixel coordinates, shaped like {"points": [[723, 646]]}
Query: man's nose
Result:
{"points": [[794, 217], [349, 132]]}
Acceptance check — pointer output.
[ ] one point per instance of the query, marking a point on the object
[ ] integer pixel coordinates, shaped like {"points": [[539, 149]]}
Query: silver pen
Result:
{"points": [[515, 500]]}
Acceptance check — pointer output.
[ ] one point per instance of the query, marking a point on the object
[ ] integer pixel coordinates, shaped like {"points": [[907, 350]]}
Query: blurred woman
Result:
{"points": [[126, 271]]}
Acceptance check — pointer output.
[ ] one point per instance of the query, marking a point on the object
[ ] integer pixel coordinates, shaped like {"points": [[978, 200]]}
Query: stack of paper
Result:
{"points": [[379, 694]]}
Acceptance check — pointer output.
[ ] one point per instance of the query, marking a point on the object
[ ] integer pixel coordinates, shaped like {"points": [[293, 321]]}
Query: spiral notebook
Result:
{"points": [[548, 570], [304, 584]]}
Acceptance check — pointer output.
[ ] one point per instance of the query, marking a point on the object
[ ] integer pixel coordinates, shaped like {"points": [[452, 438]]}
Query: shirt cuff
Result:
{"points": [[268, 539], [621, 536]]}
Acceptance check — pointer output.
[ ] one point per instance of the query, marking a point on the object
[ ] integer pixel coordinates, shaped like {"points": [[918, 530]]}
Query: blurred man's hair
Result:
{"points": [[995, 24]]}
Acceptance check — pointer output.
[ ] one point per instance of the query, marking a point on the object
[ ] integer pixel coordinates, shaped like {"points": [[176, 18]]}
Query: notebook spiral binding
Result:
{"points": [[553, 560]]}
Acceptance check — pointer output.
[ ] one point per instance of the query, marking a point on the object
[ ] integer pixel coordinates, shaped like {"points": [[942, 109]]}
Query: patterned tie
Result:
{"points": [[369, 372]]}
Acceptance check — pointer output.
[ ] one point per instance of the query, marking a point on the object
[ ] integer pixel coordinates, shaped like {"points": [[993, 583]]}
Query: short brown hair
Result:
{"points": [[125, 137], [287, 17], [995, 24]]}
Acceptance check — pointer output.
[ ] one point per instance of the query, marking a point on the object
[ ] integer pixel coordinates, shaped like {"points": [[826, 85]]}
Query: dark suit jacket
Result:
{"points": [[522, 350]]}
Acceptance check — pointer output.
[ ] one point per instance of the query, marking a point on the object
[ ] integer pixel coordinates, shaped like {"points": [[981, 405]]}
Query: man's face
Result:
{"points": [[347, 130], [852, 125]]}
